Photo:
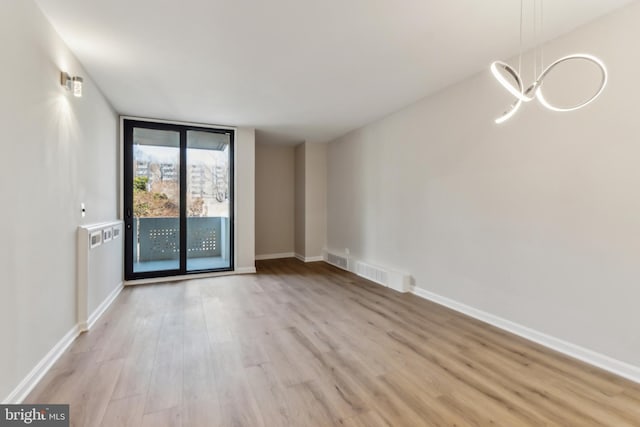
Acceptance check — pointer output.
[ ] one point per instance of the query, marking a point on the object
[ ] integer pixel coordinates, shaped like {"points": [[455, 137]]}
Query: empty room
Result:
{"points": [[357, 213]]}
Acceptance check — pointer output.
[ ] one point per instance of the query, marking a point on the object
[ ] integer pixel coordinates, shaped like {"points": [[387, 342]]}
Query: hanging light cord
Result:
{"points": [[535, 38], [542, 34], [520, 56]]}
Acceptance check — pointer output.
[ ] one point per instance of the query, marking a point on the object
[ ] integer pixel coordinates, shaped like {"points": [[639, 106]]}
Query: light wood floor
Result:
{"points": [[309, 345]]}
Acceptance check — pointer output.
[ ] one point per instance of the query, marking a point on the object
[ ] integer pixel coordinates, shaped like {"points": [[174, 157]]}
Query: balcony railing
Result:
{"points": [[158, 239]]}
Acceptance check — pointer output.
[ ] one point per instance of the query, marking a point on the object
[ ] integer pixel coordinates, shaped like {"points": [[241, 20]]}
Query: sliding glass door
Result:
{"points": [[208, 189], [178, 199]]}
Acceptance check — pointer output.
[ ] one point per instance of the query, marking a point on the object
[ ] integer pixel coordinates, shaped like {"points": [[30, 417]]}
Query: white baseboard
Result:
{"points": [[309, 258], [591, 357], [33, 378], [275, 256], [104, 305]]}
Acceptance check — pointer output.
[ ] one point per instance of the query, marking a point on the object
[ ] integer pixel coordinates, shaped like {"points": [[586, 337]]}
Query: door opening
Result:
{"points": [[178, 199]]}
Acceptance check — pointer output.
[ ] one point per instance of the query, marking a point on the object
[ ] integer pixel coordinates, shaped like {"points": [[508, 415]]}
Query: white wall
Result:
{"points": [[300, 187], [536, 221], [57, 151], [310, 200], [275, 189], [315, 200], [245, 147]]}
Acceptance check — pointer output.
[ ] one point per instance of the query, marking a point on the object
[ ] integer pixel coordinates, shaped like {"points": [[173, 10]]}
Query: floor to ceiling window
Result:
{"points": [[178, 199]]}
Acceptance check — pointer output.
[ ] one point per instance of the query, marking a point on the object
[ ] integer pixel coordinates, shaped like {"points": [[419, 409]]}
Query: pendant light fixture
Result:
{"points": [[501, 71]]}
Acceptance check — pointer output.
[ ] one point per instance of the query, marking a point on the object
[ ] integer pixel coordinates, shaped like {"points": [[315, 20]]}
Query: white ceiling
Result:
{"points": [[297, 70]]}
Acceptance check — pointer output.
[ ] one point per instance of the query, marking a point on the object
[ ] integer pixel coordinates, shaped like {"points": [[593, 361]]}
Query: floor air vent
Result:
{"points": [[338, 261], [372, 273], [395, 280]]}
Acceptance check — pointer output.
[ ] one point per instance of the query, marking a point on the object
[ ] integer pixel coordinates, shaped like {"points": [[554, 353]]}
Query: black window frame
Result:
{"points": [[128, 124]]}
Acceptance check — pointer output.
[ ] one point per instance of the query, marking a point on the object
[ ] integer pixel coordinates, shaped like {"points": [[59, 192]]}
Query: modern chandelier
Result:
{"points": [[501, 71]]}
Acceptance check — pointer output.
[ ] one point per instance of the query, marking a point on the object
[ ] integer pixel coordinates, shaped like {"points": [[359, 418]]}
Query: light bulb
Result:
{"points": [[77, 86]]}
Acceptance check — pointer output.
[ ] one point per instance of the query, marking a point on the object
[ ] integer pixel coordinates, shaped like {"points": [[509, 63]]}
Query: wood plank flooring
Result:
{"points": [[310, 345]]}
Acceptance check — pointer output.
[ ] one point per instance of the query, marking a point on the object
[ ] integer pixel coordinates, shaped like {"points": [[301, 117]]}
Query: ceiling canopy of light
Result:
{"points": [[503, 72]]}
